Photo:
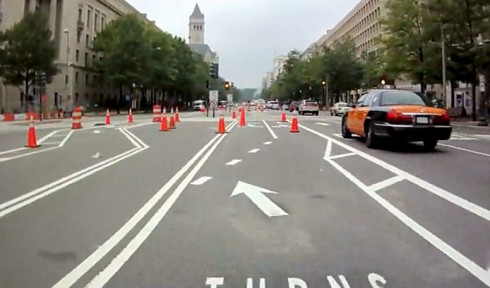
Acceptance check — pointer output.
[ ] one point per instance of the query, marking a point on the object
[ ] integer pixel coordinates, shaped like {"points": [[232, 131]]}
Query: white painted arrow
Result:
{"points": [[257, 196], [323, 124]]}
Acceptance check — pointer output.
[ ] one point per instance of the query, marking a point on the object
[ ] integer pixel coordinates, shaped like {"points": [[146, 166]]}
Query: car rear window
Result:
{"points": [[390, 98]]}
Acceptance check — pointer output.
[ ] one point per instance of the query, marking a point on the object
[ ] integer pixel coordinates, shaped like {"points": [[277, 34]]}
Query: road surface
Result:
{"points": [[130, 206]]}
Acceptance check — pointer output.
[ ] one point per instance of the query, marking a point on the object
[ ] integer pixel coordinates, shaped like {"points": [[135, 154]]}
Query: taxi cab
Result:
{"points": [[397, 114]]}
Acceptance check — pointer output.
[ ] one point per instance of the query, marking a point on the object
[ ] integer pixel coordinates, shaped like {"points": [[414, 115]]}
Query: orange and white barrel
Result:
{"points": [[76, 118], [156, 113]]}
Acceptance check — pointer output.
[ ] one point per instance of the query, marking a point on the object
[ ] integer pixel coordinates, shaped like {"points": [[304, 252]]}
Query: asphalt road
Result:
{"points": [[131, 206]]}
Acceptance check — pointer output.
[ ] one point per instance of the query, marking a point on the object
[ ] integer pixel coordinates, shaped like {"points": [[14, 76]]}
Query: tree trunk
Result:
{"points": [[118, 105], [26, 92], [473, 91], [453, 86]]}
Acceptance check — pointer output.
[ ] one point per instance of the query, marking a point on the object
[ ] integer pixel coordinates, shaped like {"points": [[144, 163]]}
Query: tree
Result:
{"points": [[406, 34], [127, 55], [27, 51], [464, 22]]}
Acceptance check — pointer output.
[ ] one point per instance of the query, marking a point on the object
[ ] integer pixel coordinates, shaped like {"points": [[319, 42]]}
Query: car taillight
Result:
{"points": [[394, 117], [442, 119]]}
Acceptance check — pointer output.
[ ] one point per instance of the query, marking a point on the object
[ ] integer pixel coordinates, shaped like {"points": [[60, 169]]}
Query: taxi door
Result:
{"points": [[362, 112], [352, 116]]}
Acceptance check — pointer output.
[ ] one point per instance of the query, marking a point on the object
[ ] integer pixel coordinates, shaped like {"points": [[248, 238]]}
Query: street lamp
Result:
{"points": [[67, 58]]}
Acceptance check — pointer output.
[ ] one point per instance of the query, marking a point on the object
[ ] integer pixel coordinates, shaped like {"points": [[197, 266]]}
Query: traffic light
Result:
{"points": [[227, 85], [41, 78], [214, 70], [207, 84]]}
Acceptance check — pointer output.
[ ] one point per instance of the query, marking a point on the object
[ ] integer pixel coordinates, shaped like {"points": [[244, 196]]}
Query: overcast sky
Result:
{"points": [[247, 34]]}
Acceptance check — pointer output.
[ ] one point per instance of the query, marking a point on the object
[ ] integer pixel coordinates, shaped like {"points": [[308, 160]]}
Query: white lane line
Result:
{"points": [[59, 182], [96, 131], [66, 138], [270, 129], [42, 194], [234, 162], [464, 149], [40, 141], [51, 143], [448, 196], [143, 144], [341, 156], [201, 180], [328, 150], [322, 124], [105, 275], [125, 133], [452, 253], [337, 135], [254, 150], [267, 143], [13, 150], [69, 279], [141, 124], [385, 183], [27, 154]]}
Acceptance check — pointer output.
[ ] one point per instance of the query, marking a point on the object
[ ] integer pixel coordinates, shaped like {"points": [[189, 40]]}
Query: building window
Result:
{"points": [[76, 97], [89, 16], [102, 22], [79, 35], [94, 79], [77, 56], [96, 22], [66, 79], [93, 59], [87, 40], [80, 12], [86, 79], [86, 59], [76, 77]]}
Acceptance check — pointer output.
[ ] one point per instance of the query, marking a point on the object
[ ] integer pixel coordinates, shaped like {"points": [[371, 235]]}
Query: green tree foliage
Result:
{"points": [[339, 66], [408, 49], [27, 50], [135, 52], [465, 25]]}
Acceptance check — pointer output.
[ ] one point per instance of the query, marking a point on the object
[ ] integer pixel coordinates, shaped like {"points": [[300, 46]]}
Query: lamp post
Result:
{"points": [[67, 60], [443, 55]]}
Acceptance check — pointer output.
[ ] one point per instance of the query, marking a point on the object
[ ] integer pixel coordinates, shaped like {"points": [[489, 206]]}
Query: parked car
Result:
{"points": [[293, 106], [309, 106], [339, 108], [398, 114]]}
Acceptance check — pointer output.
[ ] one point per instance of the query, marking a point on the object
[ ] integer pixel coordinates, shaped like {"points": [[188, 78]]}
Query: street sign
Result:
{"points": [[213, 97], [229, 98]]}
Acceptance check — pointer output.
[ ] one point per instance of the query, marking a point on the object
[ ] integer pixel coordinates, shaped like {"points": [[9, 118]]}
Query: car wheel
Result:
{"points": [[371, 139], [331, 113], [430, 144], [345, 131], [316, 113]]}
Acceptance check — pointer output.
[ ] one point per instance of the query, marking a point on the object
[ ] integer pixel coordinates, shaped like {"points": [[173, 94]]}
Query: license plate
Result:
{"points": [[422, 120]]}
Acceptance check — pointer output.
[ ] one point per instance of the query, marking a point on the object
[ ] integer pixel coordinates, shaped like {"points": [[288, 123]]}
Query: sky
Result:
{"points": [[247, 34]]}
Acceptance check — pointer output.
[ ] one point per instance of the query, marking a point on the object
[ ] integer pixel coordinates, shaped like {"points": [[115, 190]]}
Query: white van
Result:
{"points": [[198, 105]]}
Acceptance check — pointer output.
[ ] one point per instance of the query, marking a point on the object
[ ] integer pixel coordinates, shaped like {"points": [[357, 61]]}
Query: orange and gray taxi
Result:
{"points": [[398, 114]]}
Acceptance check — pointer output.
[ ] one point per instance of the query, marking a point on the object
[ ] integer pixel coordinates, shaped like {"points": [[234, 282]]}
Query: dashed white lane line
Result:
{"points": [[12, 150], [268, 143], [270, 129], [234, 162], [201, 180], [254, 150]]}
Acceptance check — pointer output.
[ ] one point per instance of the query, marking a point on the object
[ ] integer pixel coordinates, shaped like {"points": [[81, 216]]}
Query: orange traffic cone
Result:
{"points": [[221, 125], [107, 118], [172, 123], [294, 125], [130, 116], [242, 119], [31, 135], [163, 125], [177, 117], [283, 116], [233, 114]]}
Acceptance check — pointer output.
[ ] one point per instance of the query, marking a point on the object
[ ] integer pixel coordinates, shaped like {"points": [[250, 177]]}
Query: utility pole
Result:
{"points": [[444, 81]]}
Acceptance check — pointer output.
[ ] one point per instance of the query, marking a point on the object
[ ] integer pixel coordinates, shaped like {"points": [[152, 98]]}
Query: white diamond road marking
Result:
{"points": [[254, 150], [201, 180]]}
